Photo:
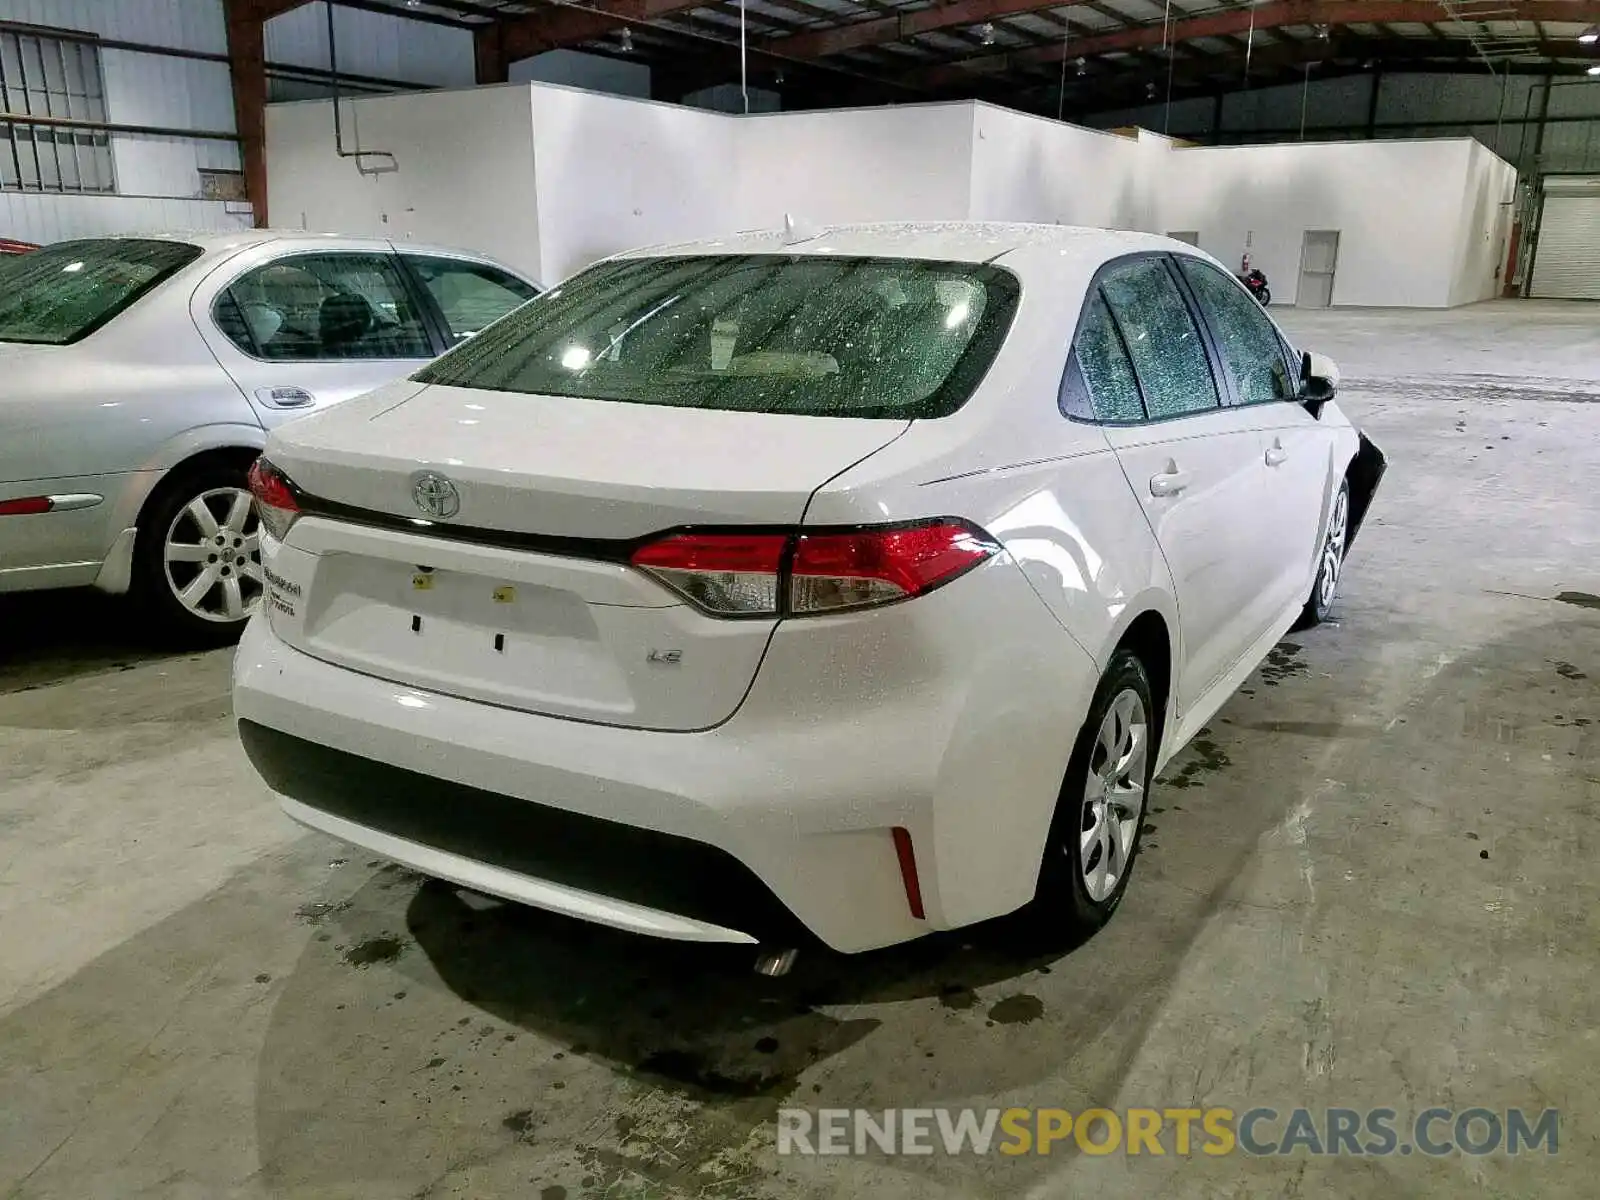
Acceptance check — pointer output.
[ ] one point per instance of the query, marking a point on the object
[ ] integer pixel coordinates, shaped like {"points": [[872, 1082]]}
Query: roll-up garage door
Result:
{"points": [[1566, 264]]}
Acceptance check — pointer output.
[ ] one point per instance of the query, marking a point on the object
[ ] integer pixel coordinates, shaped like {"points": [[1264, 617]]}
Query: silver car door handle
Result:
{"points": [[1169, 483], [1276, 455], [285, 397]]}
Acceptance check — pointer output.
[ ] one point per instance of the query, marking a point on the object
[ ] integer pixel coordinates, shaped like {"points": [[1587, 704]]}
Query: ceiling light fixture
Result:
{"points": [[627, 40], [986, 33], [1590, 35]]}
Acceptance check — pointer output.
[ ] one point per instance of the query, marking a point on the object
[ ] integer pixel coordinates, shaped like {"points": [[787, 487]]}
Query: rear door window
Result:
{"points": [[814, 335], [1163, 341], [1100, 383], [322, 308]]}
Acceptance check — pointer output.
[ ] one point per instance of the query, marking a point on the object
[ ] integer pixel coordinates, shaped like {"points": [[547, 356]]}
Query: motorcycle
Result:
{"points": [[1257, 283]]}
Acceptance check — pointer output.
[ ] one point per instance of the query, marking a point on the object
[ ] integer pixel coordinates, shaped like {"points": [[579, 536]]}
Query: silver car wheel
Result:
{"points": [[1113, 795], [212, 556], [1333, 548]]}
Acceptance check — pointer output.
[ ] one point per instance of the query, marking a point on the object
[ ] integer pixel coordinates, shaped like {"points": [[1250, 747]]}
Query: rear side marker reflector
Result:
{"points": [[908, 871], [26, 507], [30, 506], [802, 574]]}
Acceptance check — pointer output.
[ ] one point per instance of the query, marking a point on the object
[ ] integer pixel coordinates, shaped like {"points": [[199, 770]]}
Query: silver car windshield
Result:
{"points": [[811, 335], [65, 292]]}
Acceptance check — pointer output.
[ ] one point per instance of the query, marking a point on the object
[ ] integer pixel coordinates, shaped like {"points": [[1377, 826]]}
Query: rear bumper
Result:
{"points": [[781, 815]]}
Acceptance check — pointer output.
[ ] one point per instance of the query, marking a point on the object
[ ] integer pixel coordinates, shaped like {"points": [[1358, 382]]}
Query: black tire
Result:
{"points": [[170, 619], [1335, 541], [1064, 901], [1265, 296]]}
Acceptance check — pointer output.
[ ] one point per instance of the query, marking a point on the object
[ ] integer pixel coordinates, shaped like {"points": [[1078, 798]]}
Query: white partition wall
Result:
{"points": [[552, 178], [1027, 168], [870, 164], [1401, 210], [613, 173], [450, 167]]}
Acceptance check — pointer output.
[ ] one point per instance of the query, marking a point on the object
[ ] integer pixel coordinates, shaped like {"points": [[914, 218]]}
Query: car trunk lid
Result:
{"points": [[523, 596]]}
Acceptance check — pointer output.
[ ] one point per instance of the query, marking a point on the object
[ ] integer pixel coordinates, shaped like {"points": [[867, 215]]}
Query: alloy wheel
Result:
{"points": [[1113, 798], [212, 555], [1333, 549]]}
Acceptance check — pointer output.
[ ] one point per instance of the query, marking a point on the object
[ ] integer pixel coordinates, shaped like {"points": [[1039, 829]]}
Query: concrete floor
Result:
{"points": [[1377, 886]]}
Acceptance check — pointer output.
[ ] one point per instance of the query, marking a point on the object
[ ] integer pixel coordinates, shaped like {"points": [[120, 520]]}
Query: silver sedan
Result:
{"points": [[139, 376]]}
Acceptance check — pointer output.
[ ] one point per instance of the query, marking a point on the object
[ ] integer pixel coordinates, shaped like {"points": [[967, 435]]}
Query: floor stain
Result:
{"points": [[1208, 757], [957, 996], [1567, 671], [1581, 599], [318, 913], [519, 1122], [1017, 1010], [1282, 662], [687, 1067], [374, 950]]}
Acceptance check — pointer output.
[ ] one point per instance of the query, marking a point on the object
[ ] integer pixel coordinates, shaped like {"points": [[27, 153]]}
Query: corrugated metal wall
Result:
{"points": [[373, 44], [158, 179], [1501, 112]]}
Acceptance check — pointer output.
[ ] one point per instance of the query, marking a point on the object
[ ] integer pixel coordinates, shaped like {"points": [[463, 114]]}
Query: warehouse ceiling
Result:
{"points": [[1069, 59]]}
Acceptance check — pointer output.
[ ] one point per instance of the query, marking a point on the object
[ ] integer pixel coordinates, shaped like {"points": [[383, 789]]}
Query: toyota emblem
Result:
{"points": [[435, 495]]}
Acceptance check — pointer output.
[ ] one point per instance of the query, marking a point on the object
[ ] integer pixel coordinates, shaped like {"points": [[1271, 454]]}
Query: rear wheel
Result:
{"points": [[1094, 837], [197, 560], [1330, 565]]}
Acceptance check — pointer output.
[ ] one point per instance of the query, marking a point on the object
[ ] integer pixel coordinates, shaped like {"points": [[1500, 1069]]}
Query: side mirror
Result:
{"points": [[1319, 382]]}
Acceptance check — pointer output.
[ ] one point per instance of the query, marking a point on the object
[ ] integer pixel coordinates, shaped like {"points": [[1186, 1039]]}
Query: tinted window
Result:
{"points": [[1099, 371], [1252, 352], [67, 291], [319, 307], [1161, 337], [470, 295], [824, 336]]}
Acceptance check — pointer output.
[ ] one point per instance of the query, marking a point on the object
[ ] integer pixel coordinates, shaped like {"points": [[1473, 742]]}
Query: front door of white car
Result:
{"points": [[1296, 447], [299, 331], [1193, 464]]}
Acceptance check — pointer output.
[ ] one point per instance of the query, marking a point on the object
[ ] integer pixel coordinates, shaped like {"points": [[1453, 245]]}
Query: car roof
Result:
{"points": [[225, 242], [950, 241]]}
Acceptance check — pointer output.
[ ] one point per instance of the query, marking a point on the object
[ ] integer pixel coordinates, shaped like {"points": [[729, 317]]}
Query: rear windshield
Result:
{"points": [[822, 336], [65, 292]]}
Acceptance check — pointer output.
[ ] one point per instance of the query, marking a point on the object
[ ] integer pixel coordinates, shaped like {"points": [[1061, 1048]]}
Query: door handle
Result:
{"points": [[285, 397], [1169, 482], [1276, 454]]}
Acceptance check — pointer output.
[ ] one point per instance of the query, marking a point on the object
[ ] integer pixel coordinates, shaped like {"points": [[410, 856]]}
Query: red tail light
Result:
{"points": [[767, 574], [876, 566], [275, 500]]}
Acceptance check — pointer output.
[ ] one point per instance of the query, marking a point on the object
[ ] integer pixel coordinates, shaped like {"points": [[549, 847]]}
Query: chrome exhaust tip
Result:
{"points": [[775, 964]]}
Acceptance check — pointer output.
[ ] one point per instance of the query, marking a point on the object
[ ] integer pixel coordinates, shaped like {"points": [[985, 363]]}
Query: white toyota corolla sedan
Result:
{"points": [[856, 584]]}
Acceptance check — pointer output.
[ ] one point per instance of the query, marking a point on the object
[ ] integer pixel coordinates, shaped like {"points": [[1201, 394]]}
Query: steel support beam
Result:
{"points": [[1272, 15]]}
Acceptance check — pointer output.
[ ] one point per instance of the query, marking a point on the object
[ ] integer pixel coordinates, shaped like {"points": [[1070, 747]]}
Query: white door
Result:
{"points": [[308, 329], [1296, 448], [1194, 465], [1319, 257], [1566, 262]]}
